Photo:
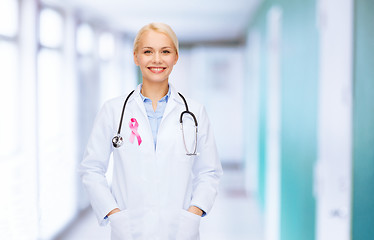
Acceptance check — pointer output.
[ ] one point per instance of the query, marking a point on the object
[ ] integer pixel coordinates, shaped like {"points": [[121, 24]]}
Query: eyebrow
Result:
{"points": [[152, 47]]}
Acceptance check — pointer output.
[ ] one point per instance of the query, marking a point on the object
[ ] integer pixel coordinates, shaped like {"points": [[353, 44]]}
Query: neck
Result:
{"points": [[155, 91]]}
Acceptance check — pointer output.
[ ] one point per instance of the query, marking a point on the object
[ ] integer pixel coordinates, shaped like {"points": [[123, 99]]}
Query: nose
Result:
{"points": [[157, 57]]}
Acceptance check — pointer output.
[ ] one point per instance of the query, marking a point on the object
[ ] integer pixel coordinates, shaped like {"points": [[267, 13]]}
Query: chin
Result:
{"points": [[150, 80]]}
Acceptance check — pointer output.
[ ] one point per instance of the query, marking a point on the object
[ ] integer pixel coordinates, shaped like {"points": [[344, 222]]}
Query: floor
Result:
{"points": [[235, 216]]}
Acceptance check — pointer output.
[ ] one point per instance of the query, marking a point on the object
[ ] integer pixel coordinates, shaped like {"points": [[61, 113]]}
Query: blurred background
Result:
{"points": [[288, 86]]}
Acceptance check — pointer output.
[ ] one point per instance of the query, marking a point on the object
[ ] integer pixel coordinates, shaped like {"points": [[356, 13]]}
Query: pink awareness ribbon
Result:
{"points": [[133, 124]]}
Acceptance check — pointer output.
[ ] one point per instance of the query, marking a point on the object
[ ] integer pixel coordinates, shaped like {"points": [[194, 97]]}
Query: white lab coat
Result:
{"points": [[153, 188]]}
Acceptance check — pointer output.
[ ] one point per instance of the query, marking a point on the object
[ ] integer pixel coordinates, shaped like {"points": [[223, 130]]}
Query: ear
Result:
{"points": [[176, 59], [136, 59]]}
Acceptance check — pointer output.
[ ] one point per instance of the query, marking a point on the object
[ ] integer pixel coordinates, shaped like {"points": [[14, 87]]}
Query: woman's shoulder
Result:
{"points": [[115, 103], [193, 105]]}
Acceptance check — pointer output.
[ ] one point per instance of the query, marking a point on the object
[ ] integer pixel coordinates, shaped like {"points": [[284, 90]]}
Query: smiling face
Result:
{"points": [[156, 56]]}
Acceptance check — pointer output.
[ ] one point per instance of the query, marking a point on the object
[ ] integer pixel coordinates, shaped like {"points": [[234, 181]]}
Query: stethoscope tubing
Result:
{"points": [[118, 140], [187, 111], [123, 111]]}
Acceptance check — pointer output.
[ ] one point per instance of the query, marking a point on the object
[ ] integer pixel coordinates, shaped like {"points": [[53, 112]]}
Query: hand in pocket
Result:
{"points": [[120, 226]]}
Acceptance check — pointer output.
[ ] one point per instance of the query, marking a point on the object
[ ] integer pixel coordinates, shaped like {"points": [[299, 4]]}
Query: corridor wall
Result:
{"points": [[363, 123], [298, 115]]}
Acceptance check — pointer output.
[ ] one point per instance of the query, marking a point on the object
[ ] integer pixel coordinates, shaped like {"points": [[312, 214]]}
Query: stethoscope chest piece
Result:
{"points": [[117, 141]]}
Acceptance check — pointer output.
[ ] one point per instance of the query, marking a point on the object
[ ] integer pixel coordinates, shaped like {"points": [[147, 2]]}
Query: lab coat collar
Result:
{"points": [[173, 101], [173, 94]]}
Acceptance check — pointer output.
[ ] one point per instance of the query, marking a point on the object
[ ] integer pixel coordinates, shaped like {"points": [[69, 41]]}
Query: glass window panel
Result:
{"points": [[8, 17], [85, 39], [50, 150], [111, 82], [51, 28], [106, 46], [49, 72], [57, 160], [9, 122]]}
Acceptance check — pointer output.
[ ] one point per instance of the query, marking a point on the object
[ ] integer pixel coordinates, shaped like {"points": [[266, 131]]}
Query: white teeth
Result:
{"points": [[157, 69]]}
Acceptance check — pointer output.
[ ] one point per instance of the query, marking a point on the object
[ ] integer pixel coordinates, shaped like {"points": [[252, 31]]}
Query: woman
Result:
{"points": [[158, 190]]}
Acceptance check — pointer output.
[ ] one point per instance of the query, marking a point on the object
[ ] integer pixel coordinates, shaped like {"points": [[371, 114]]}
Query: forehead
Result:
{"points": [[155, 39]]}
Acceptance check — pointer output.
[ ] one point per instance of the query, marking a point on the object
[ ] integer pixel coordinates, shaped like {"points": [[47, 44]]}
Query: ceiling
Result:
{"points": [[192, 20]]}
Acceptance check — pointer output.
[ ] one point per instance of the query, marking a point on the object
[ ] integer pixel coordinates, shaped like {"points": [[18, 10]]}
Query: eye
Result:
{"points": [[166, 52], [147, 52]]}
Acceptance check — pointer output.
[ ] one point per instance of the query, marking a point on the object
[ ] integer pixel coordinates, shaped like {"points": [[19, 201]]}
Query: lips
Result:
{"points": [[157, 69]]}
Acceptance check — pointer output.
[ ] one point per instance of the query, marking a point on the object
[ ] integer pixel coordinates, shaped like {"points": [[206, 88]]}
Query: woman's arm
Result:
{"points": [[95, 164], [207, 169]]}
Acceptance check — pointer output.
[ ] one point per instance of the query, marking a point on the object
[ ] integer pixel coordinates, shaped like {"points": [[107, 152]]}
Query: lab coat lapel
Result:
{"points": [[137, 98], [173, 102], [139, 102]]}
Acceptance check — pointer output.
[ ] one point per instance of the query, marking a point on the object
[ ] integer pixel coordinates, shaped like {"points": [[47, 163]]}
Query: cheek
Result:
{"points": [[140, 62], [172, 61], [175, 60]]}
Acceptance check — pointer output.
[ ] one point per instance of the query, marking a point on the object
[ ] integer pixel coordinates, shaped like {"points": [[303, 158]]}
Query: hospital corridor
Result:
{"points": [[282, 91]]}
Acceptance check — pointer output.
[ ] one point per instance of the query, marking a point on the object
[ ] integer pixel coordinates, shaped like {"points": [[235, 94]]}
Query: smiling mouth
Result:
{"points": [[157, 69]]}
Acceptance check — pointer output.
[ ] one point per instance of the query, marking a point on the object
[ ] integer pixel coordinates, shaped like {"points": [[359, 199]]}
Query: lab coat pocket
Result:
{"points": [[120, 226], [189, 224]]}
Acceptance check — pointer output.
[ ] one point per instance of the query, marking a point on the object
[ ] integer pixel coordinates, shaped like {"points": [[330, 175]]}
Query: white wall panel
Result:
{"points": [[333, 170], [273, 126]]}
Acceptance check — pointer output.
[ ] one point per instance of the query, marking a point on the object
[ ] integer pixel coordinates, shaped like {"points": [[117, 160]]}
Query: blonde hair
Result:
{"points": [[158, 27]]}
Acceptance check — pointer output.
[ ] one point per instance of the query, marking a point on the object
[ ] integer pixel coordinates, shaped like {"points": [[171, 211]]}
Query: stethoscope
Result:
{"points": [[118, 139]]}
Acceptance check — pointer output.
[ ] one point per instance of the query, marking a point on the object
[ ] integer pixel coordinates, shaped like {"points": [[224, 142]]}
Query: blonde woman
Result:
{"points": [[165, 176]]}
